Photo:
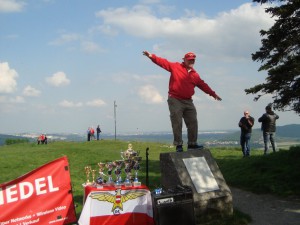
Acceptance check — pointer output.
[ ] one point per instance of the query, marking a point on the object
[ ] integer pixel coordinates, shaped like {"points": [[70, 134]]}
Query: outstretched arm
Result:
{"points": [[162, 62]]}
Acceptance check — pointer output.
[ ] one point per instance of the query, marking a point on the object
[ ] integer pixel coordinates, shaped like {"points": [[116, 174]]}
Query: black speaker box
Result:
{"points": [[174, 207]]}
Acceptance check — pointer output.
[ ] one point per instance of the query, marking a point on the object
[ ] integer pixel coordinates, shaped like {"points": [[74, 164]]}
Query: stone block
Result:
{"points": [[212, 197]]}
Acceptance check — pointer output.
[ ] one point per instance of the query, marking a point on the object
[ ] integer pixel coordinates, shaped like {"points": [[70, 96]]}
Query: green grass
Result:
{"points": [[273, 174], [276, 173]]}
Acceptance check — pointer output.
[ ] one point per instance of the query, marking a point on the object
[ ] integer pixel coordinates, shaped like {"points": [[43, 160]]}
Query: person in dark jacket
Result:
{"points": [[246, 123], [98, 132], [268, 126]]}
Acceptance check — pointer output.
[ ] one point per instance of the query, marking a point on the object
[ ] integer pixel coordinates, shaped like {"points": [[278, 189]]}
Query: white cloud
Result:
{"points": [[58, 79], [70, 104], [11, 5], [129, 77], [230, 35], [86, 45], [123, 18], [90, 47], [16, 99], [96, 103], [150, 94], [8, 83], [105, 29], [30, 91], [65, 38]]}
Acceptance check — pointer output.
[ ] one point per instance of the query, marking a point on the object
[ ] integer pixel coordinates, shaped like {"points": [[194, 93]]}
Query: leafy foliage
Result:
{"points": [[16, 141], [280, 56]]}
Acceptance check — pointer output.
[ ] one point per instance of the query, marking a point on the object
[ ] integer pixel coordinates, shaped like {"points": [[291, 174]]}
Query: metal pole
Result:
{"points": [[115, 117], [147, 167]]}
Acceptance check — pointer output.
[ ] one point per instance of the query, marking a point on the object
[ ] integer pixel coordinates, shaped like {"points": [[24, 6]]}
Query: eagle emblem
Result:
{"points": [[117, 199]]}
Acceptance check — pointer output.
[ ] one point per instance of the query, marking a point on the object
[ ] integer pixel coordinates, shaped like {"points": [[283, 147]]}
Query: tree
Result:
{"points": [[279, 55]]}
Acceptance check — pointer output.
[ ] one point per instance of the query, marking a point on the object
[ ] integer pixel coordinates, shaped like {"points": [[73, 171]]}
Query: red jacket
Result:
{"points": [[182, 83]]}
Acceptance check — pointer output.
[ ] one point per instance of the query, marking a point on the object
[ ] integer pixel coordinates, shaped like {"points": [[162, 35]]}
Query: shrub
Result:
{"points": [[16, 141]]}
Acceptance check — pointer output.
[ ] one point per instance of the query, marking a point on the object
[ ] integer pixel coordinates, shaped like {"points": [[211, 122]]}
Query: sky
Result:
{"points": [[66, 65]]}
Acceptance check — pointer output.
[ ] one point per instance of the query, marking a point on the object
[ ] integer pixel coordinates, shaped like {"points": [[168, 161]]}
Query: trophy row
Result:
{"points": [[130, 162]]}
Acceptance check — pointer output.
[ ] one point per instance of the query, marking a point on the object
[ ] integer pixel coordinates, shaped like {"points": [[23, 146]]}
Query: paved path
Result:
{"points": [[267, 209]]}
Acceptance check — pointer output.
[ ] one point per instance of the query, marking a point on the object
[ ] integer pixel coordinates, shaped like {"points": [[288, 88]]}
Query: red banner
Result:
{"points": [[42, 196]]}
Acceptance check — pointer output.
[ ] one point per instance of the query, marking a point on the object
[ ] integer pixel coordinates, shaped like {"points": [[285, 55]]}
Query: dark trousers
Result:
{"points": [[269, 137], [245, 143], [183, 110]]}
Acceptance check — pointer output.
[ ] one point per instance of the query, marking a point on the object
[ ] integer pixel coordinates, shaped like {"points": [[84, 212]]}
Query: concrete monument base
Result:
{"points": [[197, 169]]}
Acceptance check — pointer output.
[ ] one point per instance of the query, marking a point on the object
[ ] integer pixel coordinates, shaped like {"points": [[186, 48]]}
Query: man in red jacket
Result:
{"points": [[182, 83]]}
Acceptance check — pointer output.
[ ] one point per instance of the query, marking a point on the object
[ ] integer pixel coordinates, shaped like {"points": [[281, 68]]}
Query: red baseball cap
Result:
{"points": [[189, 56]]}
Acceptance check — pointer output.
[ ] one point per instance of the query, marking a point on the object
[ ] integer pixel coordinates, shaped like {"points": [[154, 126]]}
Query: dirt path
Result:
{"points": [[267, 209]]}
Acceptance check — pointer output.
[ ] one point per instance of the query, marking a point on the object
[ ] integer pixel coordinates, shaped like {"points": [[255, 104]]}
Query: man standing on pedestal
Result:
{"points": [[183, 80]]}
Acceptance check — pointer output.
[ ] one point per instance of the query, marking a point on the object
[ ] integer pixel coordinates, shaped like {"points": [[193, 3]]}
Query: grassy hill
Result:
{"points": [[276, 173]]}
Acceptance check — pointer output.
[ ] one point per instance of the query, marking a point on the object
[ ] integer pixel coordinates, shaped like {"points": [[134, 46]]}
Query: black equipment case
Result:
{"points": [[174, 206]]}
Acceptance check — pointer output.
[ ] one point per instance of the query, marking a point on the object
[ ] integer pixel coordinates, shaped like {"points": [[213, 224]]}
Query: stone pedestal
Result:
{"points": [[212, 197]]}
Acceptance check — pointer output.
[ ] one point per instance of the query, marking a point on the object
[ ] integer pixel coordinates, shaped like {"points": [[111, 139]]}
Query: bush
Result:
{"points": [[16, 141]]}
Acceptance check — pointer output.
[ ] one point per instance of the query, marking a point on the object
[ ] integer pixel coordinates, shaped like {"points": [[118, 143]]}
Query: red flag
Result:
{"points": [[42, 196], [110, 206]]}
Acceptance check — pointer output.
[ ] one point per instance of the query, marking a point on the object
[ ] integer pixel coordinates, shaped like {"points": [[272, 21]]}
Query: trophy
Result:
{"points": [[136, 168], [87, 170], [93, 176], [128, 168], [118, 164], [110, 167], [129, 147], [129, 153], [100, 180]]}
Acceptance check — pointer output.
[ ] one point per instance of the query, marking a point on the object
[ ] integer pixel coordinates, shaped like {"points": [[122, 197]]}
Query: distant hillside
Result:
{"points": [[229, 138], [292, 130], [51, 137], [286, 131], [285, 135]]}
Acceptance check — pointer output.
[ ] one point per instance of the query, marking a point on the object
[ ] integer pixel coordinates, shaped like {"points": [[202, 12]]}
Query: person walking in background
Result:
{"points": [[182, 83], [246, 123], [268, 126], [92, 131], [88, 134], [98, 132]]}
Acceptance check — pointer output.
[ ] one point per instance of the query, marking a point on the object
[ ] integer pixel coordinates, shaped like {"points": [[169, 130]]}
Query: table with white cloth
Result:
{"points": [[110, 205]]}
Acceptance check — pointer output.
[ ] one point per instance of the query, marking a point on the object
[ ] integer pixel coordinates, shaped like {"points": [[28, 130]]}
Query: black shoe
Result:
{"points": [[195, 147], [179, 148]]}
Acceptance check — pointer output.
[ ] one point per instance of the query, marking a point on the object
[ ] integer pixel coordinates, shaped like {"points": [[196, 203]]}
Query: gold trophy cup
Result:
{"points": [[87, 170]]}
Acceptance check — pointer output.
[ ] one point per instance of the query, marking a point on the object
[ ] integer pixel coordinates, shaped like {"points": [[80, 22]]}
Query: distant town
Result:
{"points": [[285, 136]]}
